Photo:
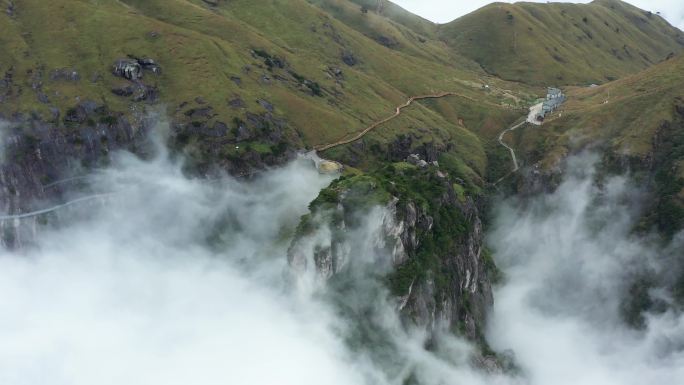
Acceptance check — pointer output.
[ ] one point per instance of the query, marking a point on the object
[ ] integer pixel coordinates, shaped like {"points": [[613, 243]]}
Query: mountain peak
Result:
{"points": [[563, 43]]}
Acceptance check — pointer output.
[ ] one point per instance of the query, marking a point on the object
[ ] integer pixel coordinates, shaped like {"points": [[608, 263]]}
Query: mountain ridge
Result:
{"points": [[240, 86], [563, 44]]}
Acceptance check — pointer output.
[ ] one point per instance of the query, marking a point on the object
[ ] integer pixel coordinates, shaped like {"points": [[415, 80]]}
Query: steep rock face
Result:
{"points": [[46, 163], [41, 162], [241, 147], [435, 265], [462, 301], [332, 248]]}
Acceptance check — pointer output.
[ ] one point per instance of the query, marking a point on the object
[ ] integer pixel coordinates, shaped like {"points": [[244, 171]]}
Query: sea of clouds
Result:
{"points": [[178, 280]]}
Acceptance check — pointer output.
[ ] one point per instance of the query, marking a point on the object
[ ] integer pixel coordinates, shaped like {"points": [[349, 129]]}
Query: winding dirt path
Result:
{"points": [[397, 112], [514, 158], [532, 119], [54, 208]]}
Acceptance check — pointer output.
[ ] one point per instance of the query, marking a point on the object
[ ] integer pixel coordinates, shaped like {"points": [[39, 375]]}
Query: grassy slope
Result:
{"points": [[400, 16], [636, 106], [642, 125], [636, 126], [563, 44], [200, 48], [411, 34]]}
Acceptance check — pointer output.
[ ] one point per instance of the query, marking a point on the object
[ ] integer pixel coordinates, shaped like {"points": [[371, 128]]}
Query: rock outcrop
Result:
{"points": [[458, 293], [128, 68], [132, 69], [11, 8], [438, 271]]}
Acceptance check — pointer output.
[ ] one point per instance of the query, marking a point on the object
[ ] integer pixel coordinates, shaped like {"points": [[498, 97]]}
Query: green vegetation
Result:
{"points": [[637, 302], [250, 80], [421, 187], [326, 69], [246, 82], [218, 62], [561, 43], [203, 50], [625, 116], [669, 178]]}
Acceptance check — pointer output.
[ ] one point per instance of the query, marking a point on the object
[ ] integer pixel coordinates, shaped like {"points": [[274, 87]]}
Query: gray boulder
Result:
{"points": [[349, 59], [128, 68], [150, 65]]}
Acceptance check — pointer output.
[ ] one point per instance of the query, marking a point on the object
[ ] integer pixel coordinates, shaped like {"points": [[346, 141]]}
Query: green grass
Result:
{"points": [[408, 183], [627, 125], [399, 16], [201, 48], [561, 43]]}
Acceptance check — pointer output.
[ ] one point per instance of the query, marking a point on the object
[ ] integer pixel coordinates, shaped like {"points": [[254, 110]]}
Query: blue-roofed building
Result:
{"points": [[554, 98], [553, 93]]}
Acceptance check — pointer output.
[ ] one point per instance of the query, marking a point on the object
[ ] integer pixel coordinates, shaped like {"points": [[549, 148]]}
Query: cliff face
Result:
{"points": [[461, 302], [428, 254], [43, 164]]}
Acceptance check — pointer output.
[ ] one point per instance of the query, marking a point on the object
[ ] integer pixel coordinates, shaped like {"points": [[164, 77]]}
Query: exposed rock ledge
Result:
{"points": [[454, 293]]}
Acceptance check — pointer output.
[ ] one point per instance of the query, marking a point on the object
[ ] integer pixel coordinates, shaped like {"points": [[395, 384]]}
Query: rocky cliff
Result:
{"points": [[46, 162], [428, 242], [42, 163]]}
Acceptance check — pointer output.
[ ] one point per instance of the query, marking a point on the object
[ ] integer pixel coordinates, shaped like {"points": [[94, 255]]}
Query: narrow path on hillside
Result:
{"points": [[535, 110], [397, 112], [54, 208], [531, 117], [510, 149], [66, 180]]}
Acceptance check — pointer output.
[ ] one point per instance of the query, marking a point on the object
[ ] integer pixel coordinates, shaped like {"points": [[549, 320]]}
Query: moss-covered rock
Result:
{"points": [[431, 235]]}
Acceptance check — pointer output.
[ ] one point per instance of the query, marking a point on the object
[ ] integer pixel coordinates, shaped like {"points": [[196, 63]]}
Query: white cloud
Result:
{"points": [[133, 295], [178, 281], [443, 11], [570, 257]]}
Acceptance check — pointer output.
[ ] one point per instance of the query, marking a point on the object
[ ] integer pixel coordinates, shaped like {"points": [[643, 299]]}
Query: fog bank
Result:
{"points": [[569, 258], [172, 280]]}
